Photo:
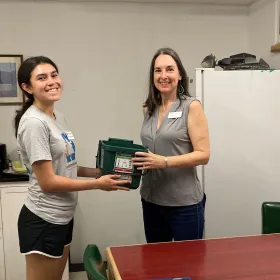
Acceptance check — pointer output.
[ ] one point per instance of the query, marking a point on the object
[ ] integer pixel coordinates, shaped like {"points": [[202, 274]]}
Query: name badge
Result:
{"points": [[70, 135], [174, 115]]}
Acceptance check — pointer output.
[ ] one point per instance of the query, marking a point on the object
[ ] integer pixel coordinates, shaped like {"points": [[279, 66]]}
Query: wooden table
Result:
{"points": [[243, 258]]}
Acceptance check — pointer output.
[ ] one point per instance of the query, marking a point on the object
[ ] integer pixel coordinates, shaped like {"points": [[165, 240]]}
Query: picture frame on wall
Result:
{"points": [[10, 92]]}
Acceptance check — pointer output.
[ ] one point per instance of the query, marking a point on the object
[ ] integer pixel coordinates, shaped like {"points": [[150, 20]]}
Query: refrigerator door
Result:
{"points": [[243, 111]]}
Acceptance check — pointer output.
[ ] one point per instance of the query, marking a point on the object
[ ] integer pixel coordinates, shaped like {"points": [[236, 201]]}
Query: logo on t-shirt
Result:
{"points": [[70, 149]]}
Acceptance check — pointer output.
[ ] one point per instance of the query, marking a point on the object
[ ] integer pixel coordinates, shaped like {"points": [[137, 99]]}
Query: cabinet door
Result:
{"points": [[2, 263], [12, 199]]}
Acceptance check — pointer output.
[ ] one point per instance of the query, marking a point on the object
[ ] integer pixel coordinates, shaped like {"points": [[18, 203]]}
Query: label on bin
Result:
{"points": [[123, 163]]}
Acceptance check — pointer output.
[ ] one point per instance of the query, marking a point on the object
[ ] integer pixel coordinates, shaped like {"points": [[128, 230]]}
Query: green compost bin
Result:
{"points": [[114, 157]]}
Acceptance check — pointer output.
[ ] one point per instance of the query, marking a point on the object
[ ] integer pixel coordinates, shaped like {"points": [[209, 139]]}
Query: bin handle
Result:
{"points": [[123, 140]]}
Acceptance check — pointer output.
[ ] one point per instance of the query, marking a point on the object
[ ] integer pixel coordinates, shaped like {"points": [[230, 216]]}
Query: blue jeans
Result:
{"points": [[168, 223]]}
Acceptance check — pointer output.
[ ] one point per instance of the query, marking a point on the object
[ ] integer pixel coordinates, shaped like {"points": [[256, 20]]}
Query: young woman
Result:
{"points": [[175, 131], [48, 151]]}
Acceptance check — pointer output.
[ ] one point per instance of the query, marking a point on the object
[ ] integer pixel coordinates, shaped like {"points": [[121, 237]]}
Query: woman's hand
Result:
{"points": [[148, 161], [110, 183]]}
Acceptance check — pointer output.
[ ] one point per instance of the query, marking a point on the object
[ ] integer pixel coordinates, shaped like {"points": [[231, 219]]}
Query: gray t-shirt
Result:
{"points": [[170, 186], [42, 138]]}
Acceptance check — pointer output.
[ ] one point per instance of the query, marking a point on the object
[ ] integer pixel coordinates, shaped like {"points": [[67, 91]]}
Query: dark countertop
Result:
{"points": [[11, 177]]}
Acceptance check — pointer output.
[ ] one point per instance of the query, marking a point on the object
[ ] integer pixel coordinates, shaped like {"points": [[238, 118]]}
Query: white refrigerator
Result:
{"points": [[243, 112]]}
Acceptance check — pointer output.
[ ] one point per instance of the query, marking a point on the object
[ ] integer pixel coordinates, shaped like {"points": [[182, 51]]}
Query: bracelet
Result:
{"points": [[166, 162]]}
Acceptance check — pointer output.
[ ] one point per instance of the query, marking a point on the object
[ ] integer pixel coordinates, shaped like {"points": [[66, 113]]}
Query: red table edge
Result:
{"points": [[214, 238], [112, 267]]}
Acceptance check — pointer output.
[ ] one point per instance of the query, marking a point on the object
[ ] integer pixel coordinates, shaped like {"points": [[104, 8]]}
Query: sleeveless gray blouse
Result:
{"points": [[170, 186]]}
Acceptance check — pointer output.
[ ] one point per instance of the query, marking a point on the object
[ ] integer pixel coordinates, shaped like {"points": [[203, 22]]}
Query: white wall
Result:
{"points": [[103, 52], [263, 31]]}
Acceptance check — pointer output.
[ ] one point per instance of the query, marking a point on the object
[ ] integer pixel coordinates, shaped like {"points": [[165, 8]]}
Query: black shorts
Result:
{"points": [[41, 237]]}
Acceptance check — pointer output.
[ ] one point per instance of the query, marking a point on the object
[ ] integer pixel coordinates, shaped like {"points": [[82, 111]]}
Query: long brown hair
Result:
{"points": [[24, 75], [154, 98]]}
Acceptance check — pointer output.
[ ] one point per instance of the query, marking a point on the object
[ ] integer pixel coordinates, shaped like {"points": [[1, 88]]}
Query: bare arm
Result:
{"points": [[144, 110], [199, 135], [198, 132], [50, 182], [88, 172]]}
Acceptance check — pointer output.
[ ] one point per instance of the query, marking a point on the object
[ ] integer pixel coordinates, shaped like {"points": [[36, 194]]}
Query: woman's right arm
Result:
{"points": [[50, 182], [33, 137]]}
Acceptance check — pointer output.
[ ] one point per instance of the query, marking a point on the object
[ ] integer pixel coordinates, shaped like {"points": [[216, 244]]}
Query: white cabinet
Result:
{"points": [[12, 263], [12, 199], [2, 262]]}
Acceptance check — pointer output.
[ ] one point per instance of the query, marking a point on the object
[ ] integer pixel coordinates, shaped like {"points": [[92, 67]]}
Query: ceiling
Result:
{"points": [[217, 2], [207, 2]]}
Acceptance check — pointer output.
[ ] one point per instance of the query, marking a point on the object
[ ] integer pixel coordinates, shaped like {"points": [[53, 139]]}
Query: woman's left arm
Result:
{"points": [[198, 132], [88, 172], [199, 136]]}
